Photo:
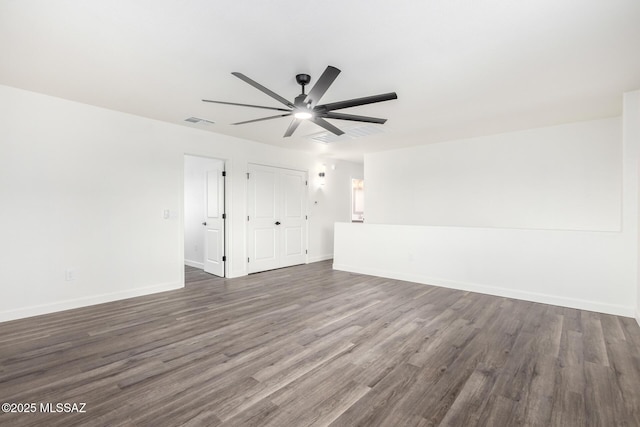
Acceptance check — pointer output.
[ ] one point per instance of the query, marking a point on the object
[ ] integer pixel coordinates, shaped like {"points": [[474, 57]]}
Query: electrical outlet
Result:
{"points": [[70, 274]]}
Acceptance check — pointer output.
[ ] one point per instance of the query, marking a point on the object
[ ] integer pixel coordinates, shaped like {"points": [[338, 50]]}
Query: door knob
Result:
{"points": [[204, 223], [277, 222]]}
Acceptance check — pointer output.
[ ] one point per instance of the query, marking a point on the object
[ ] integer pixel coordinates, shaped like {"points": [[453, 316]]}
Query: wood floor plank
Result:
{"points": [[311, 346], [625, 366], [372, 408], [466, 409], [603, 399], [595, 350]]}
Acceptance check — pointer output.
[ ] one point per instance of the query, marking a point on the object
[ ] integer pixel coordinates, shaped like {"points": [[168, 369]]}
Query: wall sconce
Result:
{"points": [[321, 175]]}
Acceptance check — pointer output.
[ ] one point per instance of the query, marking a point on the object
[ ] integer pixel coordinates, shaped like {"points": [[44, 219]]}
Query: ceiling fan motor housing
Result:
{"points": [[299, 103]]}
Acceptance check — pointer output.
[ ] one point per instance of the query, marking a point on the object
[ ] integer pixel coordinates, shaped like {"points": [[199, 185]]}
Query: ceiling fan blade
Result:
{"points": [[328, 126], [357, 101], [262, 89], [321, 86], [340, 116], [264, 118], [292, 127], [246, 105]]}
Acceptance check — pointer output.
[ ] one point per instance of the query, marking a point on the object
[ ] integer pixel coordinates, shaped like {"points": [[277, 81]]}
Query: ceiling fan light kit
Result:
{"points": [[303, 115], [306, 107]]}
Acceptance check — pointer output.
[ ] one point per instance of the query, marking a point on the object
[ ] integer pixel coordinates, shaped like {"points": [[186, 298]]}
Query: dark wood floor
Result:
{"points": [[310, 346]]}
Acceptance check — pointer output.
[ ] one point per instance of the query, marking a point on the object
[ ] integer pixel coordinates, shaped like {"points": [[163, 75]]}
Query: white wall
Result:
{"points": [[333, 199], [588, 270], [195, 174], [586, 256], [631, 135], [563, 177], [84, 188]]}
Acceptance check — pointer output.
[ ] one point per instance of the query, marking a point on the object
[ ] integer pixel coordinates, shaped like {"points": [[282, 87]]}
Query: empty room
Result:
{"points": [[320, 213]]}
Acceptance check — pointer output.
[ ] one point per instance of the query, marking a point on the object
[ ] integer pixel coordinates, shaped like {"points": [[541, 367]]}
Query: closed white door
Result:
{"points": [[263, 232], [293, 218], [276, 221], [214, 221]]}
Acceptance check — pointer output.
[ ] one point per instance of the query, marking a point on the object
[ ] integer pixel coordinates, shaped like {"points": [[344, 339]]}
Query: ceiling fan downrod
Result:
{"points": [[303, 80]]}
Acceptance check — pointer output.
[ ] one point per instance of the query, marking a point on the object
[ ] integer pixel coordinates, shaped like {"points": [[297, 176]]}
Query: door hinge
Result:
{"points": [[247, 217], [247, 259], [224, 216], [247, 175], [306, 251], [306, 217], [306, 183], [224, 173], [224, 258]]}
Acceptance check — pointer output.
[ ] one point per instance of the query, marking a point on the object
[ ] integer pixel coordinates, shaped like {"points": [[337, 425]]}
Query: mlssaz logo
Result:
{"points": [[63, 407]]}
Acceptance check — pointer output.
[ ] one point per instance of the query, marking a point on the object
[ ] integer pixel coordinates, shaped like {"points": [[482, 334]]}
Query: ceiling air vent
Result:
{"points": [[350, 133], [199, 120]]}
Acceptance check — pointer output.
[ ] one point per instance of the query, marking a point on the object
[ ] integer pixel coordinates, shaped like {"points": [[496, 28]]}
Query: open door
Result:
{"points": [[214, 221], [204, 218]]}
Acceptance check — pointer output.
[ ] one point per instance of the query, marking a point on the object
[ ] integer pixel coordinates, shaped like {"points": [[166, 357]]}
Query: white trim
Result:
{"points": [[317, 258], [86, 301], [627, 311], [638, 316], [236, 274], [194, 264]]}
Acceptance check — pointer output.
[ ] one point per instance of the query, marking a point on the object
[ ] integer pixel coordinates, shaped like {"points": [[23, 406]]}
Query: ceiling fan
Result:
{"points": [[306, 107]]}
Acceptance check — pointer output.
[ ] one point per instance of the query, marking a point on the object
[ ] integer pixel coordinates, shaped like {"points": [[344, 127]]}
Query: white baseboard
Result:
{"points": [[194, 264], [37, 310], [627, 311], [318, 258], [638, 316]]}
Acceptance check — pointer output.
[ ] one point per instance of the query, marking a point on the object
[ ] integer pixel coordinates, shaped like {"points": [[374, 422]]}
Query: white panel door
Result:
{"points": [[292, 229], [214, 221], [276, 221], [263, 242]]}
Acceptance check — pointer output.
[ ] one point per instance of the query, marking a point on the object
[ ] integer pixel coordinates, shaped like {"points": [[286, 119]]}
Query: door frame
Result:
{"points": [[226, 209]]}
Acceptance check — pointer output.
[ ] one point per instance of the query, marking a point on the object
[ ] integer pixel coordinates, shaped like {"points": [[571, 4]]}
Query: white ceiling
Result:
{"points": [[460, 68]]}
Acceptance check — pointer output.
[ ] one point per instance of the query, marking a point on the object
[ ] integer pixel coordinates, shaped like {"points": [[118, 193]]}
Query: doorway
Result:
{"points": [[357, 200], [204, 214], [277, 219]]}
